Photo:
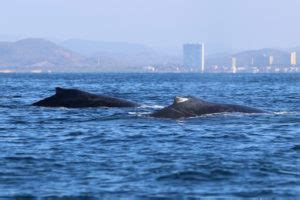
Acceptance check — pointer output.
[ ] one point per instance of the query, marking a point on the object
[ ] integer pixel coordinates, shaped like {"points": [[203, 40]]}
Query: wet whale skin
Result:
{"points": [[74, 98]]}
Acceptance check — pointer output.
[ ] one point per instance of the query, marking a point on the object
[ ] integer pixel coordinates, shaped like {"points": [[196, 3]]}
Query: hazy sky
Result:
{"points": [[237, 24]]}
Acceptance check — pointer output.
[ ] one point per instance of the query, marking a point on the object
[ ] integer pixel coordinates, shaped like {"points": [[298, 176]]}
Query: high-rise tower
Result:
{"points": [[233, 63], [271, 60], [194, 57], [293, 58]]}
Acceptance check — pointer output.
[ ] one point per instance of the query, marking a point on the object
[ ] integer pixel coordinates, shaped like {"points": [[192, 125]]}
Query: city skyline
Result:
{"points": [[72, 56], [193, 59], [233, 25]]}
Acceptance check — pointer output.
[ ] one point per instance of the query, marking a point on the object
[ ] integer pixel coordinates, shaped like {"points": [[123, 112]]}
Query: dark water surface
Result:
{"points": [[123, 153]]}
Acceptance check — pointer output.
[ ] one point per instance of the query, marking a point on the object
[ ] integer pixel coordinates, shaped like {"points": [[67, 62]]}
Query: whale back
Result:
{"points": [[187, 100], [186, 106], [191, 106], [62, 92], [74, 98]]}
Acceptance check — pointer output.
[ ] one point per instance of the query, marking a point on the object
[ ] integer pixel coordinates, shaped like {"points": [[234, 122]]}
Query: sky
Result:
{"points": [[223, 24]]}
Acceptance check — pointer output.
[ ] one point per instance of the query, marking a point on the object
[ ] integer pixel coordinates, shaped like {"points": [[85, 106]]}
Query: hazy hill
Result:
{"points": [[120, 54], [90, 48], [251, 58], [295, 49], [261, 57], [220, 59], [83, 55], [29, 53]]}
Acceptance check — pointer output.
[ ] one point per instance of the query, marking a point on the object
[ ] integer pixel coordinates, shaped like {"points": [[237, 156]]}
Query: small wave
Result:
{"points": [[11, 97], [139, 114], [25, 158], [185, 175], [49, 108], [286, 113], [196, 176], [16, 158], [75, 133], [288, 172], [152, 106], [224, 114], [64, 197], [296, 147], [254, 193]]}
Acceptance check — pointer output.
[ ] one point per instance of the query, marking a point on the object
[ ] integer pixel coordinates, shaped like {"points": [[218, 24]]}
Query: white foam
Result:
{"points": [[139, 113], [286, 113], [152, 106]]}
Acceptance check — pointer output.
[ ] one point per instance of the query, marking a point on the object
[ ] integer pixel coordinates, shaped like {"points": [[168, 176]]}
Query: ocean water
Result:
{"points": [[125, 154]]}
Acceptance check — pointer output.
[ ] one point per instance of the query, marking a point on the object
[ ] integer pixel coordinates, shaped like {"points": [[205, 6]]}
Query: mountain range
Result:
{"points": [[258, 58], [85, 55], [31, 53], [120, 54]]}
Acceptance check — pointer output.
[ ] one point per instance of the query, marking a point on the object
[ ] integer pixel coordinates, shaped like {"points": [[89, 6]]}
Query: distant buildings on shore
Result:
{"points": [[26, 56], [251, 62], [270, 66]]}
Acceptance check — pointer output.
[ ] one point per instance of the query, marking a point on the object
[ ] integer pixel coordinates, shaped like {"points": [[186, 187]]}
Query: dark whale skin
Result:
{"points": [[193, 107], [74, 98]]}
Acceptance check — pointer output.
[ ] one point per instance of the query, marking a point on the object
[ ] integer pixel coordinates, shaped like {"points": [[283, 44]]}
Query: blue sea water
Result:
{"points": [[125, 154]]}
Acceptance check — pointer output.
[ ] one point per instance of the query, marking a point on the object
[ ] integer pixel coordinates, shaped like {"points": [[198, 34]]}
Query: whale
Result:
{"points": [[74, 98], [189, 106]]}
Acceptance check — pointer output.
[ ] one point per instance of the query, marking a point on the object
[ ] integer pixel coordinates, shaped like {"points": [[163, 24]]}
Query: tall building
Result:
{"points": [[294, 58], [194, 57], [271, 60], [233, 62]]}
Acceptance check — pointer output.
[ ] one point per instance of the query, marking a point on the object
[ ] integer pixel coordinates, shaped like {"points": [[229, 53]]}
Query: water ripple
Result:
{"points": [[100, 153]]}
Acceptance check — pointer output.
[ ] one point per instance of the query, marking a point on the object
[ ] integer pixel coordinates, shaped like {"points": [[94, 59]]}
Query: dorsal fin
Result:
{"points": [[68, 92], [59, 90], [179, 99]]}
